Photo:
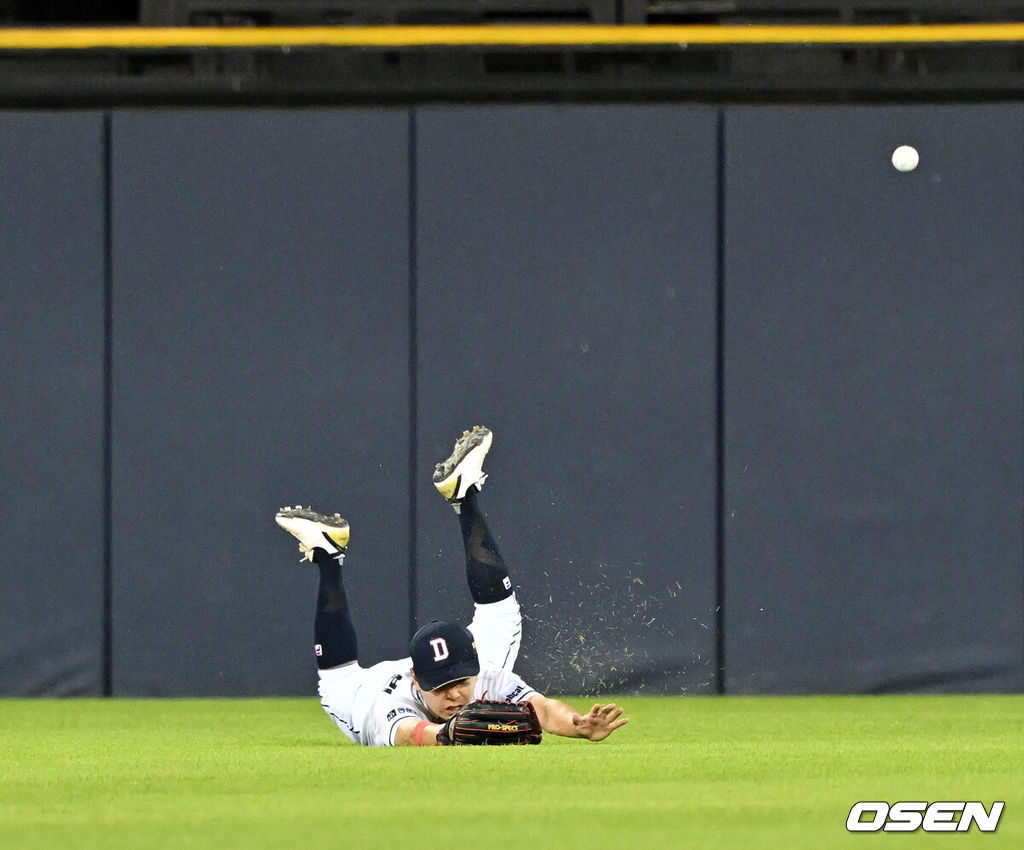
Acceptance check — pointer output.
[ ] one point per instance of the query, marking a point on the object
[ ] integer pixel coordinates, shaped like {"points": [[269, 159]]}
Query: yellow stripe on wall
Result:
{"points": [[85, 38]]}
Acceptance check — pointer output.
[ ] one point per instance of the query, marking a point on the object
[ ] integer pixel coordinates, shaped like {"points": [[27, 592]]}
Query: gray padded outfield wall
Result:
{"points": [[566, 297], [261, 357], [873, 400], [308, 305], [52, 306]]}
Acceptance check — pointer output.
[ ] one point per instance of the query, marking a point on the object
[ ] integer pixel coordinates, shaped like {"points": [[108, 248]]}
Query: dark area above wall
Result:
{"points": [[687, 69], [69, 12], [211, 76], [354, 12]]}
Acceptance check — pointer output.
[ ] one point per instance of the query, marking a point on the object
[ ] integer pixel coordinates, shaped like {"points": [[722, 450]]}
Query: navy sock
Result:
{"points": [[335, 634], [486, 572]]}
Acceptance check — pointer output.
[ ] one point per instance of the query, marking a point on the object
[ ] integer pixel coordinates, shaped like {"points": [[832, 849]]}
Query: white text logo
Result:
{"points": [[440, 648], [940, 816]]}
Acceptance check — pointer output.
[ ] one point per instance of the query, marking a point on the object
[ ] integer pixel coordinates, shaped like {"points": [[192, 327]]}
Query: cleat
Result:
{"points": [[315, 531], [463, 468]]}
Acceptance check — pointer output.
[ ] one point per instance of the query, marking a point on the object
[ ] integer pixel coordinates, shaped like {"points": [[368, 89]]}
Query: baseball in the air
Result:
{"points": [[905, 158]]}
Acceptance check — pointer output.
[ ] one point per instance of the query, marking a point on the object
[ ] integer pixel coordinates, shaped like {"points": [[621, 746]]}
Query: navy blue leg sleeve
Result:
{"points": [[486, 572], [335, 634]]}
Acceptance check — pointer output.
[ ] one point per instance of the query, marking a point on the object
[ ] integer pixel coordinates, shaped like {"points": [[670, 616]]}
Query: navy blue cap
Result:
{"points": [[443, 653]]}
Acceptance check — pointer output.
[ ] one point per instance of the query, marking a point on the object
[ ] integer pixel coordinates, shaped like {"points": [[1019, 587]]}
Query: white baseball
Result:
{"points": [[905, 158]]}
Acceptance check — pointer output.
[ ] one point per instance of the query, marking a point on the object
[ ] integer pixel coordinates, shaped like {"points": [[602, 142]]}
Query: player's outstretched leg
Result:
{"points": [[497, 624], [459, 478], [324, 541], [486, 573]]}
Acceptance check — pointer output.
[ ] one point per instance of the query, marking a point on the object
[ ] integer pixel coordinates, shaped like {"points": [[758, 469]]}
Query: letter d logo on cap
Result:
{"points": [[440, 647]]}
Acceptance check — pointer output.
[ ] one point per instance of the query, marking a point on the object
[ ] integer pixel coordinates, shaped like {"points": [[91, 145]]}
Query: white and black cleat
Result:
{"points": [[464, 467], [315, 531]]}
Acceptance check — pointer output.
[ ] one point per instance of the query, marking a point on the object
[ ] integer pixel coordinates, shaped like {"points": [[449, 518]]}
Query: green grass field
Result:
{"points": [[686, 772]]}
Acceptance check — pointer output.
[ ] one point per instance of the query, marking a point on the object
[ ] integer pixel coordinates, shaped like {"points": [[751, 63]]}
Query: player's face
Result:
{"points": [[449, 699]]}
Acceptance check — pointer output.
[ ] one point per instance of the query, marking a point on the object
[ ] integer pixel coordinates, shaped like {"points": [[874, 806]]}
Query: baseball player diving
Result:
{"points": [[457, 685]]}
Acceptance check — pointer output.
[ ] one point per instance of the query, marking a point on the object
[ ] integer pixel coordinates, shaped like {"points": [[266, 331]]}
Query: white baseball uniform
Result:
{"points": [[368, 703]]}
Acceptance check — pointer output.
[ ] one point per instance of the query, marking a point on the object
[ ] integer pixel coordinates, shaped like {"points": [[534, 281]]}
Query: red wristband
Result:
{"points": [[417, 733]]}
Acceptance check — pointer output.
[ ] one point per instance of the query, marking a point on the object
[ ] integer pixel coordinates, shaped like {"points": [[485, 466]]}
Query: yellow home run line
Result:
{"points": [[81, 38]]}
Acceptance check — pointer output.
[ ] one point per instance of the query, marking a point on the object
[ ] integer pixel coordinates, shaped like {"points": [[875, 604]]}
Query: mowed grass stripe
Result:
{"points": [[686, 772]]}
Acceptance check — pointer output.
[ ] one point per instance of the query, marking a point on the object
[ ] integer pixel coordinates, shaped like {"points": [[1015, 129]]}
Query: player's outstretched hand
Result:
{"points": [[600, 722]]}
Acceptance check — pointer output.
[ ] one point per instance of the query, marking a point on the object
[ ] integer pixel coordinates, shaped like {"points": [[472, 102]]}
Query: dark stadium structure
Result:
{"points": [[823, 69]]}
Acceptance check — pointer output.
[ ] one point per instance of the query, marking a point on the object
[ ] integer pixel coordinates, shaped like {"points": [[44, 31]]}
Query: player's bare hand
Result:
{"points": [[600, 722]]}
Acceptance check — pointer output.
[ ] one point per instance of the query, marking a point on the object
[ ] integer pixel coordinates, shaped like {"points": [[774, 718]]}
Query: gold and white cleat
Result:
{"points": [[315, 531], [463, 468]]}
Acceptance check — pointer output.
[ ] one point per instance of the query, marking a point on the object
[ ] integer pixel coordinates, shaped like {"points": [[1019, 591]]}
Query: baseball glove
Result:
{"points": [[491, 722]]}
